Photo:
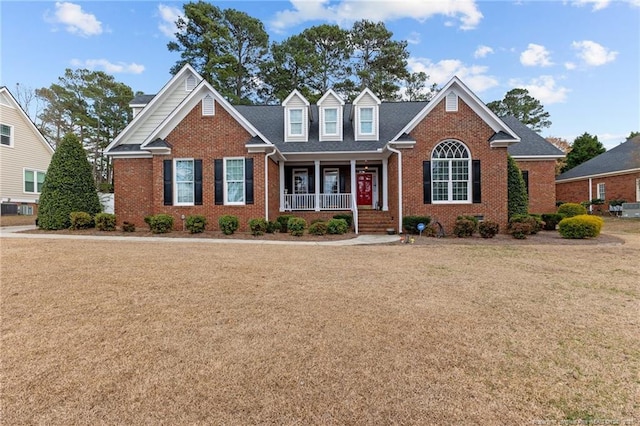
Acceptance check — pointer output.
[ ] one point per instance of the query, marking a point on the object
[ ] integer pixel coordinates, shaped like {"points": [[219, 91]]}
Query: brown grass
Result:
{"points": [[99, 332]]}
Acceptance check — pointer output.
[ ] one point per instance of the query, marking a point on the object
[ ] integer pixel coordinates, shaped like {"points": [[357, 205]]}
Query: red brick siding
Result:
{"points": [[467, 127], [542, 190], [198, 137], [133, 197], [619, 187]]}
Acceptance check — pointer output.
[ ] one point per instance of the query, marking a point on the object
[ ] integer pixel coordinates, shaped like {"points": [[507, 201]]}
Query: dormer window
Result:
{"points": [[366, 121], [296, 118], [330, 121], [295, 122]]}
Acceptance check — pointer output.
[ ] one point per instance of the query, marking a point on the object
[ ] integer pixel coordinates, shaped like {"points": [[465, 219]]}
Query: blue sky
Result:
{"points": [[580, 58]]}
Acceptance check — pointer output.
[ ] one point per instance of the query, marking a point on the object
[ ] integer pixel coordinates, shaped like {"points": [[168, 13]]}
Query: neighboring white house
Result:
{"points": [[24, 157]]}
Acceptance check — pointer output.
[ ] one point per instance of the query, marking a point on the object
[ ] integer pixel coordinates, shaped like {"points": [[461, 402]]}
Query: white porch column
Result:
{"points": [[281, 164], [316, 163], [353, 181], [385, 184]]}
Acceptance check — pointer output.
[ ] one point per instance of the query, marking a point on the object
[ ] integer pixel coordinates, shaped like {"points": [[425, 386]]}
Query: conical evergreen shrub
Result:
{"points": [[518, 198], [68, 186]]}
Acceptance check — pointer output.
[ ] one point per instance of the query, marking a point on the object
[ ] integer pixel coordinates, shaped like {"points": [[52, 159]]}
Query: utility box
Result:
{"points": [[630, 209]]}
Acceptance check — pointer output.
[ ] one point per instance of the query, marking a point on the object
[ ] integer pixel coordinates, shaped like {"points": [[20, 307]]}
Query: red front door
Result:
{"points": [[365, 188]]}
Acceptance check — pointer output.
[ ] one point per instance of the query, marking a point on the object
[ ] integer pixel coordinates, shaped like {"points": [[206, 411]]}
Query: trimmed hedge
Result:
{"points": [[128, 227], [337, 226], [410, 223], [551, 221], [347, 217], [572, 209], [283, 220], [580, 226], [196, 223], [318, 228], [488, 229], [258, 226], [296, 226], [228, 224], [465, 226], [80, 220], [160, 223], [105, 222]]}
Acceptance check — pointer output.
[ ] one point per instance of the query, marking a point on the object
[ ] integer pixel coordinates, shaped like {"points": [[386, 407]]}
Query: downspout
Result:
{"points": [[266, 183], [590, 195], [399, 185]]}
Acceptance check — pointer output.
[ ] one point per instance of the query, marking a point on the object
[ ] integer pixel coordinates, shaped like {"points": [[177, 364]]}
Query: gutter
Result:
{"points": [[388, 146]]}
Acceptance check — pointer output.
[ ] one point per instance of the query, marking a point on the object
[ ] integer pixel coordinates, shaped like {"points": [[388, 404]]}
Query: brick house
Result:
{"points": [[188, 151], [612, 175]]}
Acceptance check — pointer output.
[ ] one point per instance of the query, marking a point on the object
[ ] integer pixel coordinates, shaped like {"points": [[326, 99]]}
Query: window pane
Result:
{"points": [[40, 181], [184, 170], [440, 192], [185, 192], [330, 128], [184, 181], [235, 169], [295, 116], [331, 182], [235, 192], [459, 170], [440, 170], [460, 191], [296, 128], [331, 114], [5, 134], [366, 114], [29, 183]]}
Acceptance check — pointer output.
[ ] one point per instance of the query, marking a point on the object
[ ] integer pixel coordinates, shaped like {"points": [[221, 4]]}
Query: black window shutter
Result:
{"points": [[168, 182], [248, 180], [219, 181], [476, 182], [525, 177], [197, 174], [312, 181], [426, 182], [342, 182]]}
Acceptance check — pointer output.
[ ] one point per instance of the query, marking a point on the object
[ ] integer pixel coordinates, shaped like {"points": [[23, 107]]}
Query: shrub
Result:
{"points": [[196, 223], [128, 227], [318, 228], [337, 226], [80, 220], [147, 220], [534, 221], [105, 222], [551, 220], [347, 217], [520, 230], [316, 220], [296, 226], [68, 186], [465, 226], [410, 223], [228, 224], [273, 227], [518, 200], [488, 229], [572, 209], [105, 187], [258, 226], [160, 223], [580, 226], [283, 220]]}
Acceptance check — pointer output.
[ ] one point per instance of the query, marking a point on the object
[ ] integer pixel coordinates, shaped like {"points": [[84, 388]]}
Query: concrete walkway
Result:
{"points": [[15, 232]]}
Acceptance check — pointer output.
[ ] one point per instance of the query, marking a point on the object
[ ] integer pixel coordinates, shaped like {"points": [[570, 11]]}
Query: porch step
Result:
{"points": [[375, 222]]}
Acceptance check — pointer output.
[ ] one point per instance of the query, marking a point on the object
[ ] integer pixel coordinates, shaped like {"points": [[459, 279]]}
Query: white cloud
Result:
{"points": [[482, 51], [345, 12], [544, 89], [535, 55], [597, 4], [108, 67], [593, 54], [474, 76], [569, 65], [76, 20], [169, 15], [414, 37]]}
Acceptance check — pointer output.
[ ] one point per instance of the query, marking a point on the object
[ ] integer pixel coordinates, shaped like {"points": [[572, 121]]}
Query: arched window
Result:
{"points": [[450, 173]]}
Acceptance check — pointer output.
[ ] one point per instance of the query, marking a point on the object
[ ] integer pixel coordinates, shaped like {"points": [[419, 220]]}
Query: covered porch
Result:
{"points": [[334, 185]]}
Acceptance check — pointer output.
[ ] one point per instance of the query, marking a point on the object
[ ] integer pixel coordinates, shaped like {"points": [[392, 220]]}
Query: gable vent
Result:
{"points": [[452, 102], [207, 105], [190, 83]]}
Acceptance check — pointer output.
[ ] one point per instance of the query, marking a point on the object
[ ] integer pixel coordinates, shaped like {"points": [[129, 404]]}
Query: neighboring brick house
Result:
{"points": [[612, 175], [24, 158], [188, 151]]}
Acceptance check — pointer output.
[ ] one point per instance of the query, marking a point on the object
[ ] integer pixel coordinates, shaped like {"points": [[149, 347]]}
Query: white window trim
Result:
{"points": [[638, 190], [289, 122], [11, 136], [324, 123], [360, 121], [450, 181], [35, 182], [175, 182], [225, 182], [601, 190]]}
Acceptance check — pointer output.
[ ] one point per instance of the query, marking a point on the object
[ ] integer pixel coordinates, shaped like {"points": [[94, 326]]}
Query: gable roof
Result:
{"points": [[531, 143], [504, 136], [13, 103], [623, 158]]}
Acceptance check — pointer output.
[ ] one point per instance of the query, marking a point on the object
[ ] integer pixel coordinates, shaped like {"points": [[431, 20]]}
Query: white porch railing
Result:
{"points": [[308, 202]]}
